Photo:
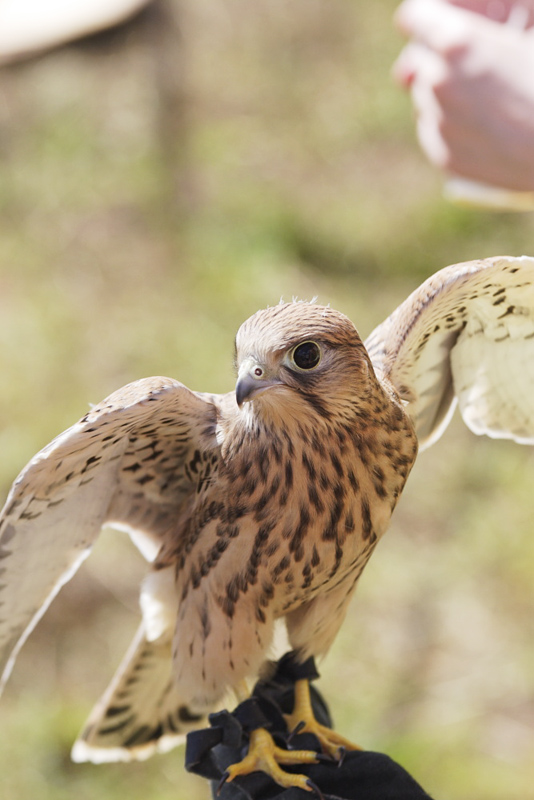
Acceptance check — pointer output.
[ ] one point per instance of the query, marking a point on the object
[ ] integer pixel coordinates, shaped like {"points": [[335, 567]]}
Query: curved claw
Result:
{"points": [[314, 788], [224, 778], [296, 730], [326, 758]]}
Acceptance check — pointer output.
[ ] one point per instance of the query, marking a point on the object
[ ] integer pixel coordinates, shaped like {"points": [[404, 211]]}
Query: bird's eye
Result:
{"points": [[306, 355]]}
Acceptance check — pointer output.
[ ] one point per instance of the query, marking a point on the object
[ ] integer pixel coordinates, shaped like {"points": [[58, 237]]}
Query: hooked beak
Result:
{"points": [[253, 378]]}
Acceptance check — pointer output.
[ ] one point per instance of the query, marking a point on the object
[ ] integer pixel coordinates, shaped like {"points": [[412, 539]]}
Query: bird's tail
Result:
{"points": [[141, 712]]}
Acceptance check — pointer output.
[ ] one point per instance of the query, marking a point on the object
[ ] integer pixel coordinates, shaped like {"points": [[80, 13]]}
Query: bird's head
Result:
{"points": [[303, 351]]}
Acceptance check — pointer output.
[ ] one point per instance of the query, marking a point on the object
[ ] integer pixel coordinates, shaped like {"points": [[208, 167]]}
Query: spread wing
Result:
{"points": [[465, 336], [132, 461]]}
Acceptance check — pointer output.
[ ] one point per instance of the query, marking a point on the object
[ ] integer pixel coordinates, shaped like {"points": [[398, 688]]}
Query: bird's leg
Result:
{"points": [[265, 756], [242, 691], [302, 720]]}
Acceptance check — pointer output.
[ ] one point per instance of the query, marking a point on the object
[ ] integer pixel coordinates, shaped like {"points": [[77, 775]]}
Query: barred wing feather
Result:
{"points": [[465, 336], [127, 462]]}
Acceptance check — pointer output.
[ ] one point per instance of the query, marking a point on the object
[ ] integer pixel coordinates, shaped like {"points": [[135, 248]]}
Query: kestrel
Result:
{"points": [[265, 503]]}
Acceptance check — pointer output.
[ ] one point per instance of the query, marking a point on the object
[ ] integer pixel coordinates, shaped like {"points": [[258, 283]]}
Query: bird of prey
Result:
{"points": [[265, 503]]}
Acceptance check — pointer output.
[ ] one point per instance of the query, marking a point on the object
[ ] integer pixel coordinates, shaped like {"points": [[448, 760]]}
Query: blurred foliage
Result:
{"points": [[159, 184]]}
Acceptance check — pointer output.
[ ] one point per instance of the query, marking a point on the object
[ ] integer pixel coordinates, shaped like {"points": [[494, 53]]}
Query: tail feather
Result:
{"points": [[141, 712]]}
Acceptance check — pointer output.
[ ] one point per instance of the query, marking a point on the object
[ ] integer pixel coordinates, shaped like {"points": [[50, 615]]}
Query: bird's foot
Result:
{"points": [[265, 756], [302, 720]]}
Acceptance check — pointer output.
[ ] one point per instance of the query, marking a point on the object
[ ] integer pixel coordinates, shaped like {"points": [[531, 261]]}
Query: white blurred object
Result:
{"points": [[466, 192], [473, 193], [30, 26]]}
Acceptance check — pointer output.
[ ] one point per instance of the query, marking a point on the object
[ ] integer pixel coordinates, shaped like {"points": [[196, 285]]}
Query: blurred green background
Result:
{"points": [[158, 185]]}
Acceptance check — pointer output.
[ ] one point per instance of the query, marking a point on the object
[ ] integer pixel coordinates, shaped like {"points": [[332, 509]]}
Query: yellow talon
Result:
{"points": [[264, 755], [303, 719]]}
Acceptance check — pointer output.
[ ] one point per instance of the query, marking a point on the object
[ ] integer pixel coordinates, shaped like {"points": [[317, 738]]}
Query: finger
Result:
{"points": [[403, 69], [419, 69], [429, 134], [427, 70], [435, 23], [416, 60]]}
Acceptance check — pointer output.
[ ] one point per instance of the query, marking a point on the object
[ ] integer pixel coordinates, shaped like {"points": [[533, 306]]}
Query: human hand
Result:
{"points": [[471, 81]]}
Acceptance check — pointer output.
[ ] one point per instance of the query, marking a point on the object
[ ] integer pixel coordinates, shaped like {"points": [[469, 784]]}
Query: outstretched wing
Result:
{"points": [[465, 335], [132, 461]]}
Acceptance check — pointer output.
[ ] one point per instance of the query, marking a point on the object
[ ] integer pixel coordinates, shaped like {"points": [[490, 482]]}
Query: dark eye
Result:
{"points": [[306, 355]]}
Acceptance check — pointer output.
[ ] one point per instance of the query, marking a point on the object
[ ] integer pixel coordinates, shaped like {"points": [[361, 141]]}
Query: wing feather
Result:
{"points": [[465, 335], [132, 461]]}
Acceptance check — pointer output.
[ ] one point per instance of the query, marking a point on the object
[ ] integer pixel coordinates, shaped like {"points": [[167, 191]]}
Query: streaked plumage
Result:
{"points": [[267, 510]]}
